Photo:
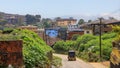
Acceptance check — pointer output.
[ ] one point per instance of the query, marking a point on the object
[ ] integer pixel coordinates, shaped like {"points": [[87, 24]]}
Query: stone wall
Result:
{"points": [[11, 53]]}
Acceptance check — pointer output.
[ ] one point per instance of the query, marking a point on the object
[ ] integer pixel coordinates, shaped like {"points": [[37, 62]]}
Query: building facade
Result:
{"points": [[65, 22], [94, 27], [29, 27]]}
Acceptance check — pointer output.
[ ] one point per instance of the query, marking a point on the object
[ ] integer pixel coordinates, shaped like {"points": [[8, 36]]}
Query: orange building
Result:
{"points": [[66, 22], [29, 27]]}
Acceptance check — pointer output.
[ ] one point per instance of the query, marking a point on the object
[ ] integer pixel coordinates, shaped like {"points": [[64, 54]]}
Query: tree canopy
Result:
{"points": [[47, 22], [81, 21], [31, 19]]}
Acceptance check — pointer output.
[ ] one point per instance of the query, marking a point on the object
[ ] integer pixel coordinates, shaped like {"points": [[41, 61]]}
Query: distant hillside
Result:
{"points": [[14, 19], [7, 19]]}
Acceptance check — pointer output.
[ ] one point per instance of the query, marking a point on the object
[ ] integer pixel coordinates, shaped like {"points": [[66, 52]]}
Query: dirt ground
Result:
{"points": [[80, 63], [73, 64], [105, 64]]}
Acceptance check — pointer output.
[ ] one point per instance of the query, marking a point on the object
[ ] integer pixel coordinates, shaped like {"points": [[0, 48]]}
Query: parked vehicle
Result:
{"points": [[71, 55]]}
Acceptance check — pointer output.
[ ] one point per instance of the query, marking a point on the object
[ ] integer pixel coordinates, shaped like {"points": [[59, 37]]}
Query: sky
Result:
{"points": [[58, 8]]}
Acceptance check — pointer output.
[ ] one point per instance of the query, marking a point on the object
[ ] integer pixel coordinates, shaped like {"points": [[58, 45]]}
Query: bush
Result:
{"points": [[34, 48], [57, 62], [116, 29], [81, 41], [88, 47], [63, 47], [75, 36], [108, 35]]}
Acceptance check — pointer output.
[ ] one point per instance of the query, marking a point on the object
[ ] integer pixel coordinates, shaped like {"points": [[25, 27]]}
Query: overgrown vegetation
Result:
{"points": [[63, 47], [117, 30], [87, 46], [34, 48], [75, 36], [57, 62], [115, 55]]}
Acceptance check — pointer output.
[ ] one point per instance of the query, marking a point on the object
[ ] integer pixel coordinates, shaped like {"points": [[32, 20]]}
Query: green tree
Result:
{"points": [[81, 21], [47, 22], [38, 18], [75, 36], [46, 25], [31, 19], [116, 29], [89, 21]]}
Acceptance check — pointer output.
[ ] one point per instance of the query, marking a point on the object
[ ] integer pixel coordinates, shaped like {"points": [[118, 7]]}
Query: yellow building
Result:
{"points": [[65, 22]]}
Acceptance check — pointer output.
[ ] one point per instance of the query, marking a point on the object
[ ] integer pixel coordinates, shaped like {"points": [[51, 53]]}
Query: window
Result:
{"points": [[87, 32], [105, 31]]}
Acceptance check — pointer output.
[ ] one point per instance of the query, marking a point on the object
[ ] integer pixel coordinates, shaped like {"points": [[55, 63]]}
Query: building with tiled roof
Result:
{"points": [[105, 25], [66, 22]]}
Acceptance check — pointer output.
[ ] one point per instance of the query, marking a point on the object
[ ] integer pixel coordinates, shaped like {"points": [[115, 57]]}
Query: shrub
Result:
{"points": [[88, 47], [57, 62], [63, 47], [75, 36], [34, 48]]}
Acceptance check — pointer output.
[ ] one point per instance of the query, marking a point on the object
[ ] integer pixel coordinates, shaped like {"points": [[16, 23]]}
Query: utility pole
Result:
{"points": [[100, 33], [45, 36], [100, 39]]}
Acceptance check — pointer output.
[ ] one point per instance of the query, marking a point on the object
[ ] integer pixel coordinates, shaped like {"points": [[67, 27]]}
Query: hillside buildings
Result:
{"points": [[92, 27], [12, 18], [66, 22], [29, 27], [35, 29]]}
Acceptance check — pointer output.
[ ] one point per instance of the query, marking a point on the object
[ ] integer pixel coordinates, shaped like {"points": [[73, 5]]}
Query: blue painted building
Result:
{"points": [[51, 32]]}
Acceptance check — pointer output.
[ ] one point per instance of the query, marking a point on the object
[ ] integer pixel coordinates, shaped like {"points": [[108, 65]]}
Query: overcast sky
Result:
{"points": [[55, 8]]}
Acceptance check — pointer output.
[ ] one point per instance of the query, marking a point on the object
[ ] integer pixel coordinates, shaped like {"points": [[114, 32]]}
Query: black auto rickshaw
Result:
{"points": [[71, 55]]}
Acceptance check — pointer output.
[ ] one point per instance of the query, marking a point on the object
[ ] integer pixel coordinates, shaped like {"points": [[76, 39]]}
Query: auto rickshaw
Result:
{"points": [[71, 55]]}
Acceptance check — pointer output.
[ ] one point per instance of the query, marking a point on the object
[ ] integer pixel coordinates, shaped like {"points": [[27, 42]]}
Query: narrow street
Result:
{"points": [[73, 64]]}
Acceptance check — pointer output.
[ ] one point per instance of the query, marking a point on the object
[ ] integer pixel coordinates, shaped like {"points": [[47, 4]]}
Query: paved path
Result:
{"points": [[73, 64]]}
